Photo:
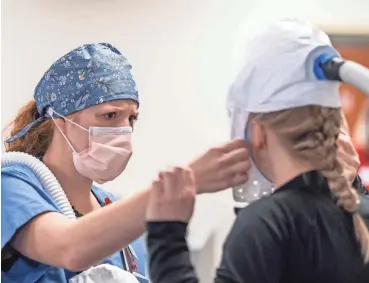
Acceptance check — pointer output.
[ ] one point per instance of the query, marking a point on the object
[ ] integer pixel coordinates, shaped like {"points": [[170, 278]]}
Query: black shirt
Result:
{"points": [[298, 234]]}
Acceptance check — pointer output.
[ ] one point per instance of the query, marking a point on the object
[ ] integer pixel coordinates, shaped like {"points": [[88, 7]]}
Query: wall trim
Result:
{"points": [[353, 30], [349, 39]]}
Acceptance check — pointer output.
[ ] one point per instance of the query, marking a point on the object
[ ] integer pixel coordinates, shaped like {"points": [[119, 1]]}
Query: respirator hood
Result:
{"points": [[278, 73]]}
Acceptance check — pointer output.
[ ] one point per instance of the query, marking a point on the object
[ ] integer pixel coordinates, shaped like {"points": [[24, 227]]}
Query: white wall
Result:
{"points": [[181, 56]]}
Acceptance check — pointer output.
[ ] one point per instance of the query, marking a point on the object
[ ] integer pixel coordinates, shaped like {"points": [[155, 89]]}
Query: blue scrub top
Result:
{"points": [[23, 198]]}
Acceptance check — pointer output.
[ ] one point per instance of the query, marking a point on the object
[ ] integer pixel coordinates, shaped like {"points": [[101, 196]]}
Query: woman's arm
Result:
{"points": [[169, 209], [75, 245], [53, 239], [252, 252]]}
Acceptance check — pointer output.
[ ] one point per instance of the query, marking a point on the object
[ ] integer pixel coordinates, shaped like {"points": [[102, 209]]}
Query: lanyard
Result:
{"points": [[128, 253], [129, 260], [129, 256], [130, 263]]}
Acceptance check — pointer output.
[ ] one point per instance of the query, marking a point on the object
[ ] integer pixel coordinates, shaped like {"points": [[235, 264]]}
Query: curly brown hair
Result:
{"points": [[37, 139]]}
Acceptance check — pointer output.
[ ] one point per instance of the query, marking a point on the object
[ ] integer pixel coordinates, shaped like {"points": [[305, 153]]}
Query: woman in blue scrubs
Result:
{"points": [[79, 124]]}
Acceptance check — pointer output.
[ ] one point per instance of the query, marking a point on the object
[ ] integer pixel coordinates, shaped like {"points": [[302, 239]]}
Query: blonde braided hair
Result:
{"points": [[310, 134]]}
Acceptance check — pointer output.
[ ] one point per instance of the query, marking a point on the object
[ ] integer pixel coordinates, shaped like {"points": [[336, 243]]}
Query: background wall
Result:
{"points": [[181, 53]]}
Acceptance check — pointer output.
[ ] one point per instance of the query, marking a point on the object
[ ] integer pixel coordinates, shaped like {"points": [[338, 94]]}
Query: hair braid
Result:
{"points": [[310, 133], [339, 185]]}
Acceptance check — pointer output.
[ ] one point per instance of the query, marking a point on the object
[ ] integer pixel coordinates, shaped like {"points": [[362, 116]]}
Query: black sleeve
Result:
{"points": [[168, 253], [254, 249]]}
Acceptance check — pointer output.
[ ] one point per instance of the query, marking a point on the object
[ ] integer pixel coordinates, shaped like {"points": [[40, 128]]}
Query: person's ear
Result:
{"points": [[258, 135]]}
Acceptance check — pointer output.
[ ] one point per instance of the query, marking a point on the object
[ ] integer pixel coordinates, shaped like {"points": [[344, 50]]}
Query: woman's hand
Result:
{"points": [[348, 157], [172, 197], [222, 167]]}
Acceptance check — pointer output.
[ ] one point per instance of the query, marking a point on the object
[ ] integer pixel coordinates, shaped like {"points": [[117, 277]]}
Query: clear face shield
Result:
{"points": [[257, 185]]}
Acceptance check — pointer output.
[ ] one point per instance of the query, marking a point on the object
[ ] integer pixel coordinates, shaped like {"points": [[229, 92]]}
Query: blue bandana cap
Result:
{"points": [[87, 76]]}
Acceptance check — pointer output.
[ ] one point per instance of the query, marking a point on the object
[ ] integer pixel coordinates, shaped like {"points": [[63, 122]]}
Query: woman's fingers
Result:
{"points": [[157, 189], [344, 143], [219, 165], [173, 196], [240, 168], [189, 182], [153, 210], [233, 145], [348, 160], [167, 180], [239, 155], [171, 182], [347, 157]]}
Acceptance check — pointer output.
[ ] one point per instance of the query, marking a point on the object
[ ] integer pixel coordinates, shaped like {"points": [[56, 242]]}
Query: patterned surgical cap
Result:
{"points": [[88, 75]]}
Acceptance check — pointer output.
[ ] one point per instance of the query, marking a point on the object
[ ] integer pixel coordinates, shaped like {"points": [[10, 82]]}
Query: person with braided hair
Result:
{"points": [[311, 228]]}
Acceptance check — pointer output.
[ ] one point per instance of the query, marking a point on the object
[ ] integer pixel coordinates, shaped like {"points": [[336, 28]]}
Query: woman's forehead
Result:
{"points": [[116, 106]]}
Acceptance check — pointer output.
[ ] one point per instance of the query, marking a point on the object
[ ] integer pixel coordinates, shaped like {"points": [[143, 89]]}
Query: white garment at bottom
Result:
{"points": [[104, 273]]}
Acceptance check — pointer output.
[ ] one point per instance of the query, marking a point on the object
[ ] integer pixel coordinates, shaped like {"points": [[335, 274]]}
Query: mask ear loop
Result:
{"points": [[60, 115], [50, 112]]}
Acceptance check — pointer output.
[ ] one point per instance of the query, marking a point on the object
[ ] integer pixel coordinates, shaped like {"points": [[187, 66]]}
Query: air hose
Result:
{"points": [[44, 175], [334, 68]]}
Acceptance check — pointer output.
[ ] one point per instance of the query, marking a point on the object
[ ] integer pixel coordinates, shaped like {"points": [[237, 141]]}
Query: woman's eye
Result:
{"points": [[110, 115]]}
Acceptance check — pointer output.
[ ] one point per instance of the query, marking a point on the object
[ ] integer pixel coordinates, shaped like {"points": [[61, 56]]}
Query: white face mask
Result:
{"points": [[107, 155]]}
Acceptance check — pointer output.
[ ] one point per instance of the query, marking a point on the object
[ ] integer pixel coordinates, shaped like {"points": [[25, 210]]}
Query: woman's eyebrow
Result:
{"points": [[124, 109], [111, 108]]}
